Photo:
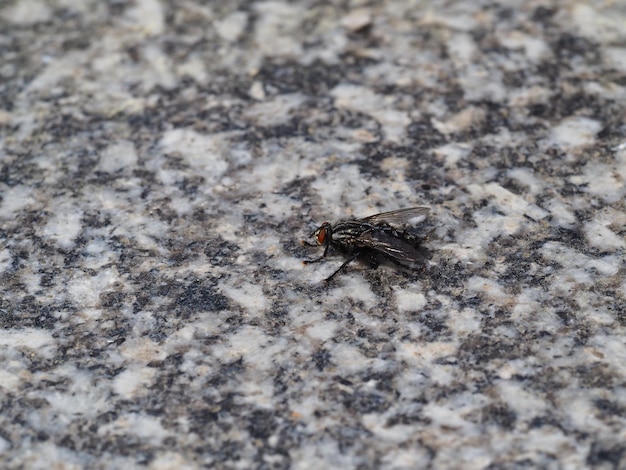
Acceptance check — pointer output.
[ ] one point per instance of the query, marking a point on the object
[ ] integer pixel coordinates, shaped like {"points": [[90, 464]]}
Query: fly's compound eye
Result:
{"points": [[322, 234]]}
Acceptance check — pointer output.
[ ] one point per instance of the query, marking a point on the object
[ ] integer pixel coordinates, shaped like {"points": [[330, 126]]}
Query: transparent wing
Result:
{"points": [[397, 249], [399, 216]]}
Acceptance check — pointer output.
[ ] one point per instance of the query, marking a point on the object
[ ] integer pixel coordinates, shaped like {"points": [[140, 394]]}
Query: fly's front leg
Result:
{"points": [[317, 260], [348, 261]]}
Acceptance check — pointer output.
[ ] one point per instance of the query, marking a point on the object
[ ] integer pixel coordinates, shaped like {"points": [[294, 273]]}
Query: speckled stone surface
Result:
{"points": [[160, 163]]}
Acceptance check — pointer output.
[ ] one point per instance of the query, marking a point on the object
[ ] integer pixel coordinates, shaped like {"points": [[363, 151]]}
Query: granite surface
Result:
{"points": [[160, 163]]}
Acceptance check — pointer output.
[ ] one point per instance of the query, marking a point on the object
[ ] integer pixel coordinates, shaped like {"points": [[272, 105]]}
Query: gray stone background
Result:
{"points": [[161, 161]]}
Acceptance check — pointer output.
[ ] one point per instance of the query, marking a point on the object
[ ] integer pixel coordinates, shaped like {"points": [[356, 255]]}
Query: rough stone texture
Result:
{"points": [[161, 161]]}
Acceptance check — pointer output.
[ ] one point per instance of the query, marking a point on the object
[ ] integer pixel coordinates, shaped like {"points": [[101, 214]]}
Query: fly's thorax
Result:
{"points": [[346, 232]]}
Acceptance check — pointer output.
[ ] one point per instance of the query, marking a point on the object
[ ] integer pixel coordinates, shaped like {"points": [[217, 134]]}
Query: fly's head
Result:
{"points": [[324, 234]]}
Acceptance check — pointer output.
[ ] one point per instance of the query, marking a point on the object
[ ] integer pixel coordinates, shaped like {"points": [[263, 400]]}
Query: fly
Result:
{"points": [[373, 239]]}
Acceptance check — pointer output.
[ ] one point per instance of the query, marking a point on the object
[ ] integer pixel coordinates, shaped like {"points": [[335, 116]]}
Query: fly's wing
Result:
{"points": [[397, 249], [397, 217]]}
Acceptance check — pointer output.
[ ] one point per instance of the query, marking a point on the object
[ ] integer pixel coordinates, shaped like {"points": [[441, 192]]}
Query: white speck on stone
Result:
{"points": [[161, 71], [4, 445], [453, 153], [249, 296], [323, 330], [99, 253], [64, 226], [357, 19], [31, 338], [275, 27], [400, 458], [575, 132], [396, 434], [85, 290], [81, 398], [364, 100], [133, 382], [182, 205], [577, 268], [148, 428], [275, 111], [331, 186], [10, 380], [408, 300], [143, 350], [14, 200], [480, 83], [464, 322], [561, 213], [535, 48], [325, 454], [616, 57], [602, 237], [603, 182], [460, 21], [5, 259], [194, 67], [199, 151], [601, 24], [490, 288], [118, 156], [527, 177], [247, 342], [355, 287], [526, 96], [462, 48], [28, 12], [423, 354], [57, 69], [522, 400], [148, 15], [173, 461], [582, 413], [463, 120], [450, 414], [508, 202], [256, 91], [614, 351], [601, 316], [232, 26], [251, 344], [349, 357]]}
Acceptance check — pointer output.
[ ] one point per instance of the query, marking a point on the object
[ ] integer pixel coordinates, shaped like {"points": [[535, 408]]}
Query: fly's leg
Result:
{"points": [[317, 260], [348, 261]]}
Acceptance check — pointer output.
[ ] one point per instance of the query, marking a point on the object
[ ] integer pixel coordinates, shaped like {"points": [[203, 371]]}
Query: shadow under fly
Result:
{"points": [[373, 240]]}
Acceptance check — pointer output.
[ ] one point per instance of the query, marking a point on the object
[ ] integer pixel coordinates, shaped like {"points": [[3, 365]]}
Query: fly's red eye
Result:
{"points": [[320, 235]]}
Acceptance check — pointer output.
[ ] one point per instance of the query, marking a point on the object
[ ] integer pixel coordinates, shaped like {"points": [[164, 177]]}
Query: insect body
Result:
{"points": [[373, 239]]}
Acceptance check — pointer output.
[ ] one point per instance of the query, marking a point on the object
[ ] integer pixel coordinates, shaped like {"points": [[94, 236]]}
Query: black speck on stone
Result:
{"points": [[609, 408], [229, 371], [261, 424], [543, 14], [500, 414], [363, 403], [602, 453], [572, 238], [321, 358], [200, 297], [112, 300], [289, 77]]}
